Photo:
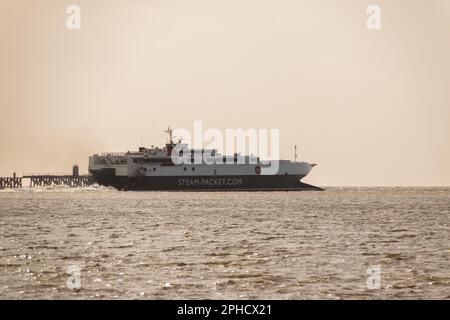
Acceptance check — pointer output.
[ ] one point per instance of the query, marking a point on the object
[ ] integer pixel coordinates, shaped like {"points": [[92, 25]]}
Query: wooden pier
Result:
{"points": [[43, 180], [49, 180], [10, 182]]}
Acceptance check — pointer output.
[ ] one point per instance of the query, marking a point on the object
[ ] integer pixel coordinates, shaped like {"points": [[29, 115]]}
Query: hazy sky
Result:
{"points": [[370, 107]]}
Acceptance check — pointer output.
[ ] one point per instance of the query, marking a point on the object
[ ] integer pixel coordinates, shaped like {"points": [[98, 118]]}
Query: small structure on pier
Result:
{"points": [[75, 171], [10, 182]]}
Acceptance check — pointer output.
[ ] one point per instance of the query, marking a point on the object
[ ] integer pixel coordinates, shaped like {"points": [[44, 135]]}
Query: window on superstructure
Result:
{"points": [[184, 168], [193, 169]]}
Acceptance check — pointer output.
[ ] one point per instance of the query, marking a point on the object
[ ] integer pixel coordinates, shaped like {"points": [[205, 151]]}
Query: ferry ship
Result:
{"points": [[206, 170]]}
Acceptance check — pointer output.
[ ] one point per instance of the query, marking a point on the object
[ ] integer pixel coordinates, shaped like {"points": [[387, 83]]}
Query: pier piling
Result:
{"points": [[48, 180], [10, 183]]}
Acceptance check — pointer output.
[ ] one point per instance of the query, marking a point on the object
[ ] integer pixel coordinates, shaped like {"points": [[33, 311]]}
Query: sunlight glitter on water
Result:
{"points": [[280, 245]]}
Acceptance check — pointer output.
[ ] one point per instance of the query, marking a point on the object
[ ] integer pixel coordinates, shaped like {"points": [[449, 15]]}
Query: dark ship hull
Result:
{"points": [[107, 177]]}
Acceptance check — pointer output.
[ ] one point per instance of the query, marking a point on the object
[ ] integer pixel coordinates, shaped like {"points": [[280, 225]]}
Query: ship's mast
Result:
{"points": [[170, 145], [170, 131]]}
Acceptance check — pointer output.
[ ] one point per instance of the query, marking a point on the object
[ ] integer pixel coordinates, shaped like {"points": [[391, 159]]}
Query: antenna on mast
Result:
{"points": [[295, 148]]}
